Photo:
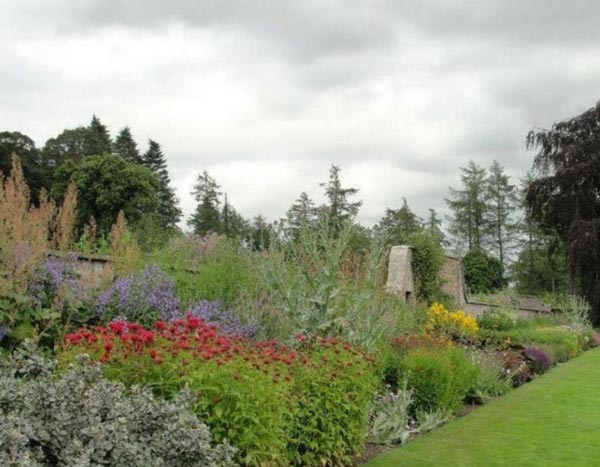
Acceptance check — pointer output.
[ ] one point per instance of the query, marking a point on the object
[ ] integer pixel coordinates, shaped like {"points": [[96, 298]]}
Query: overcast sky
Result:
{"points": [[266, 94]]}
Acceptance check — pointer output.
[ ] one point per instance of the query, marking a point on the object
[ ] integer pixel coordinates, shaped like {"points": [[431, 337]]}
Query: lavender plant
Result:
{"points": [[143, 296], [540, 361], [229, 322]]}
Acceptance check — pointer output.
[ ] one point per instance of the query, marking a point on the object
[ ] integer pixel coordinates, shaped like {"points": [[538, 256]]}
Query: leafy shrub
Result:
{"points": [[492, 380], [539, 360], [501, 319], [81, 418], [427, 263], [440, 379], [143, 296], [456, 324], [279, 405]]}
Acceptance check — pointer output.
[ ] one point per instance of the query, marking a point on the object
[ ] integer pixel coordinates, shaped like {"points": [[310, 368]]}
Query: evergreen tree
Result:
{"points": [[433, 226], [501, 200], [469, 207], [126, 147], [399, 225], [168, 210], [302, 214], [97, 139], [339, 209], [233, 225], [207, 217], [262, 234]]}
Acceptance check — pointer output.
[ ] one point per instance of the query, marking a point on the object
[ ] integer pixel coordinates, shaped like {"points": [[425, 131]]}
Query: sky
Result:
{"points": [[266, 95]]}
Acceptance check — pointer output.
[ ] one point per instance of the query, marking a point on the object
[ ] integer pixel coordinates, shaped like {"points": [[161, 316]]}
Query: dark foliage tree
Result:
{"points": [[34, 168], [566, 195], [169, 213], [339, 208], [97, 140], [540, 265], [108, 184], [469, 207], [207, 217], [483, 273], [126, 147]]}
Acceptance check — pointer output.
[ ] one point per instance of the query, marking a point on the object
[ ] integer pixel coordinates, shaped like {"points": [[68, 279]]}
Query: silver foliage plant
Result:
{"points": [[80, 419]]}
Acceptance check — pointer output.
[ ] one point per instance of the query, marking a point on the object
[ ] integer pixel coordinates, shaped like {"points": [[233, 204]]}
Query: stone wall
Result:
{"points": [[401, 281]]}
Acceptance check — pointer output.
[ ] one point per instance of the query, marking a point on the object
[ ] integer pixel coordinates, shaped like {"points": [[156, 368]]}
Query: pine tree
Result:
{"points": [[261, 234], [207, 217], [469, 207], [126, 147], [169, 213], [433, 226], [301, 215], [501, 200], [233, 225], [340, 209], [97, 139], [398, 225]]}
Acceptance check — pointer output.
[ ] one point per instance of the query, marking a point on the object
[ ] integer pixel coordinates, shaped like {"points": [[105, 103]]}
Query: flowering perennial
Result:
{"points": [[440, 321]]}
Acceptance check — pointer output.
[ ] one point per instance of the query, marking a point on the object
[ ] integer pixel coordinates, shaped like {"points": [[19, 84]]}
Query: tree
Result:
{"points": [[35, 170], [434, 227], [501, 200], [469, 207], [126, 147], [301, 215], [169, 213], [540, 266], [69, 145], [262, 233], [340, 209], [97, 140], [565, 195], [399, 225], [207, 217], [108, 184], [233, 225]]}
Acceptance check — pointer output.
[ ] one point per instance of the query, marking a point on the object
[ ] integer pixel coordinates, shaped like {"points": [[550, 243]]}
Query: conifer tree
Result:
{"points": [[126, 147], [398, 225], [97, 139], [339, 208], [501, 201], [469, 207], [207, 217], [168, 210], [434, 227], [233, 225], [301, 215]]}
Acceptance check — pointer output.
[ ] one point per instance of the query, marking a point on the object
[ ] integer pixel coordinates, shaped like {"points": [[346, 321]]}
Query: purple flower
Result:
{"points": [[4, 330], [227, 320], [56, 276], [539, 360], [143, 296]]}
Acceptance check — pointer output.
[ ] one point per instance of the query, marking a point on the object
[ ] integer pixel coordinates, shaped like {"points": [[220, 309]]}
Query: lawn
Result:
{"points": [[552, 421]]}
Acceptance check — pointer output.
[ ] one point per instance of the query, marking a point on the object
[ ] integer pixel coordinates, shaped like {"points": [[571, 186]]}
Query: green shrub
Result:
{"points": [[81, 419], [566, 343], [491, 381], [440, 379], [483, 273], [501, 319]]}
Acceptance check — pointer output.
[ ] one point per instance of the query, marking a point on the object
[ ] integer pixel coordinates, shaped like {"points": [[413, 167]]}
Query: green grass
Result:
{"points": [[552, 421]]}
